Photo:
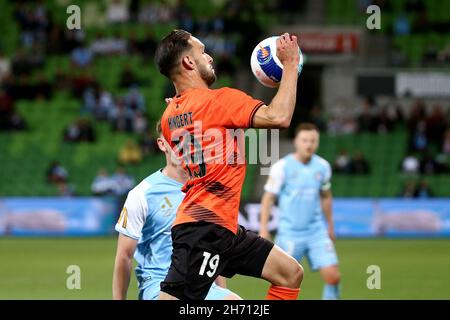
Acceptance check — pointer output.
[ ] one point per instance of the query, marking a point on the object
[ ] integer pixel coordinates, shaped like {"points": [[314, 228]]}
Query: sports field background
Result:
{"points": [[35, 268]]}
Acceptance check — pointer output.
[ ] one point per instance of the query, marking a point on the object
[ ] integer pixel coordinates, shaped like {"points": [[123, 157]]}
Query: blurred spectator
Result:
{"points": [[128, 78], [105, 104], [121, 117], [80, 130], [366, 116], [147, 46], [423, 190], [140, 123], [5, 66], [109, 46], [134, 100], [225, 66], [133, 9], [417, 114], [341, 121], [122, 182], [359, 164], [316, 117], [117, 12], [9, 118], [409, 189], [418, 140], [56, 173], [65, 189], [402, 25], [428, 165], [82, 57], [148, 144], [446, 143], [130, 153], [102, 184], [436, 125], [410, 164], [342, 162]]}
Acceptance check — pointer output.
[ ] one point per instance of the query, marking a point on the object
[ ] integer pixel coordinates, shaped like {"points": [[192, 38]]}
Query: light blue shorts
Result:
{"points": [[318, 249], [151, 292]]}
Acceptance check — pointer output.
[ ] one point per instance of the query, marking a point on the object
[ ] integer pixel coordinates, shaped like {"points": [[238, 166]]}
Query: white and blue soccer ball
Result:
{"points": [[265, 64]]}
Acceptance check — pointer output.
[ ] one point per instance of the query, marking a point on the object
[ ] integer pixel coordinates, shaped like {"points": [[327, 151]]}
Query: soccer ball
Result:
{"points": [[265, 64]]}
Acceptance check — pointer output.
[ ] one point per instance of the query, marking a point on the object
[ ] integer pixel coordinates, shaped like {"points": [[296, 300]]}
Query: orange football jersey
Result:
{"points": [[202, 127]]}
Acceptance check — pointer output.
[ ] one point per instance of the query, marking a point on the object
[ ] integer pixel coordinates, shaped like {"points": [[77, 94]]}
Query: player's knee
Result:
{"points": [[295, 275], [333, 278]]}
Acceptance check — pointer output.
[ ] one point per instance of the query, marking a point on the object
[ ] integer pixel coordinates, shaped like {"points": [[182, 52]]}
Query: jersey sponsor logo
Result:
{"points": [[318, 176]]}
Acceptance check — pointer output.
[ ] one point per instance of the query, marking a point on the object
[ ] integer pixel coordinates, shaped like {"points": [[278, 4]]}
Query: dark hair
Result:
{"points": [[306, 126], [159, 128], [170, 49]]}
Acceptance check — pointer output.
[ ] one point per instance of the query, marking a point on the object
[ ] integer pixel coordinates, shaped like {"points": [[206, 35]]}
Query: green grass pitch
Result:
{"points": [[35, 268]]}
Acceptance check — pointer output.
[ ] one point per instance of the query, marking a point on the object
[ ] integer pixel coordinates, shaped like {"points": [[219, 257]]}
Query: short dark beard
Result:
{"points": [[207, 75]]}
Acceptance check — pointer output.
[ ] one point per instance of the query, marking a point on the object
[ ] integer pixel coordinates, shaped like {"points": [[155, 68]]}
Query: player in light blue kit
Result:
{"points": [[301, 181], [144, 232]]}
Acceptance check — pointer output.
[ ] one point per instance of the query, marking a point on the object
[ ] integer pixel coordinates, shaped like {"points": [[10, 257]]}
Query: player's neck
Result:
{"points": [[175, 173], [302, 159], [189, 82]]}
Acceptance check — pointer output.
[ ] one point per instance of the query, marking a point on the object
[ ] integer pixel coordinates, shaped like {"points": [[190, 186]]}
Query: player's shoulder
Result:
{"points": [[319, 161], [228, 92], [281, 163], [146, 186]]}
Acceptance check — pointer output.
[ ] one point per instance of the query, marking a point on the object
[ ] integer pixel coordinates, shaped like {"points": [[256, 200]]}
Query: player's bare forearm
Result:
{"points": [[326, 200], [267, 202], [121, 277], [283, 104], [279, 112], [122, 267]]}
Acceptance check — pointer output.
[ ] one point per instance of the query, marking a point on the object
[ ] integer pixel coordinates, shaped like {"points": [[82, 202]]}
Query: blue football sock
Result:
{"points": [[331, 292]]}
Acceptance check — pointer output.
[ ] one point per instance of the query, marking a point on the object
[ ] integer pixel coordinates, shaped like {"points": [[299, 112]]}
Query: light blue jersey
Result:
{"points": [[301, 229], [147, 216]]}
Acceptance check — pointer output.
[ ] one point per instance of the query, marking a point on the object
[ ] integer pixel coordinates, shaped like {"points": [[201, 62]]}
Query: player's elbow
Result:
{"points": [[285, 123], [281, 121]]}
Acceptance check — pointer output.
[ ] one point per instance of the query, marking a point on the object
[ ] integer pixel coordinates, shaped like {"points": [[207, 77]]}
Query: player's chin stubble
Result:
{"points": [[207, 75]]}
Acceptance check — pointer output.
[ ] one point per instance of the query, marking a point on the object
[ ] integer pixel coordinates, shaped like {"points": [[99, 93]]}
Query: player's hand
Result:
{"points": [[287, 50], [265, 234], [331, 233]]}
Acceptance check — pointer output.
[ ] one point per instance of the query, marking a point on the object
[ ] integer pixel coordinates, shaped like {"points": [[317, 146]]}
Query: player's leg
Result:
{"points": [[257, 257], [332, 278], [322, 256], [196, 260], [150, 292], [284, 273], [218, 293]]}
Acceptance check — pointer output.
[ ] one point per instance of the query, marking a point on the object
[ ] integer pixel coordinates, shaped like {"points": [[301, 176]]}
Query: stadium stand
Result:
{"points": [[26, 154]]}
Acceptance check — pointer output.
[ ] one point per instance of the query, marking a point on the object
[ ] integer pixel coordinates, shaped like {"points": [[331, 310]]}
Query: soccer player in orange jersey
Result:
{"points": [[199, 125]]}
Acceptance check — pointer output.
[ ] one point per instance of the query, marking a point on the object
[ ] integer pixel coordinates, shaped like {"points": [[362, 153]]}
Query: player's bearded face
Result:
{"points": [[206, 72]]}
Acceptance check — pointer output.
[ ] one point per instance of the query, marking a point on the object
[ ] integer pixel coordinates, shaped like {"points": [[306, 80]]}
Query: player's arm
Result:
{"points": [[326, 201], [267, 202], [279, 112], [126, 247], [129, 226], [272, 188]]}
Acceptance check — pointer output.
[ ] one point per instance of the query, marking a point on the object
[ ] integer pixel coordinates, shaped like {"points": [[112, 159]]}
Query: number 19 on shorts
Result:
{"points": [[212, 263]]}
